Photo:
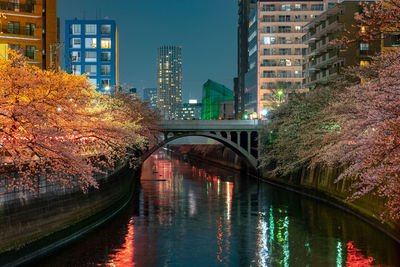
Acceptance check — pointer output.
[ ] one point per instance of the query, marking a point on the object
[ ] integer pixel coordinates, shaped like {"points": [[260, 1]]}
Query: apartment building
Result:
{"points": [[92, 48], [31, 27], [324, 58], [275, 51]]}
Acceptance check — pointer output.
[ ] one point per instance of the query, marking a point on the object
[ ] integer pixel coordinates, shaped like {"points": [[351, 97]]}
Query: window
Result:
{"points": [[105, 29], [269, 18], [297, 51], [268, 29], [269, 74], [13, 27], [284, 7], [297, 73], [283, 18], [75, 29], [30, 29], [331, 5], [297, 28], [90, 42], [269, 40], [30, 51], [75, 56], [269, 51], [90, 56], [90, 29], [364, 46], [283, 29], [317, 7], [297, 62], [76, 69], [105, 84], [105, 70], [283, 73], [268, 8], [91, 70], [105, 56], [364, 62], [105, 43], [75, 43], [284, 51]]}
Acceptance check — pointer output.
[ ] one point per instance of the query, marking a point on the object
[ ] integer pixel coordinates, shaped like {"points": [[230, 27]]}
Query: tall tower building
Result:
{"points": [[243, 51], [169, 80], [276, 50], [31, 27], [91, 47]]}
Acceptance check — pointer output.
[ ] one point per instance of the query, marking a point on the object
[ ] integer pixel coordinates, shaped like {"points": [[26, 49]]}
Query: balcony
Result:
{"points": [[17, 31], [17, 7]]}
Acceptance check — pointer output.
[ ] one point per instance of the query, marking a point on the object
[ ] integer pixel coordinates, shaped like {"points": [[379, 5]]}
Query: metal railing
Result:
{"points": [[17, 7]]}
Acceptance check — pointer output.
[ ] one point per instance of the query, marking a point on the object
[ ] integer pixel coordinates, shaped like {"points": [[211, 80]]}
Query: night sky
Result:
{"points": [[205, 29]]}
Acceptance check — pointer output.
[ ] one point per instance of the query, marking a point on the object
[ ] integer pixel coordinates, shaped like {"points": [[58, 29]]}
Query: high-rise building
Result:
{"points": [[275, 51], [169, 80], [324, 59], [31, 27], [150, 96], [243, 30], [189, 111], [213, 95], [91, 47]]}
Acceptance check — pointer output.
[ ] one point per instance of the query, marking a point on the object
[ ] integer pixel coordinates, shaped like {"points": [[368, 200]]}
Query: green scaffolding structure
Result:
{"points": [[213, 95]]}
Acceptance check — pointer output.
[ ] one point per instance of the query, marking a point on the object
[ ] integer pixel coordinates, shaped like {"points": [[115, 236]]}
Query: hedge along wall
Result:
{"points": [[27, 222], [319, 182]]}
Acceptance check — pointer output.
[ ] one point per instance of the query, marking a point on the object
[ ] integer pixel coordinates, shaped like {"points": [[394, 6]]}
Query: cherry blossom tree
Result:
{"points": [[55, 124]]}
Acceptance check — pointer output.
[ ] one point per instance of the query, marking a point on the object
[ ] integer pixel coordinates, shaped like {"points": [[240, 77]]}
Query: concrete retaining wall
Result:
{"points": [[26, 226]]}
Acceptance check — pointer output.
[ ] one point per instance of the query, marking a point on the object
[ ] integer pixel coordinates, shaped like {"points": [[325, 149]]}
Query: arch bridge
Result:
{"points": [[239, 135]]}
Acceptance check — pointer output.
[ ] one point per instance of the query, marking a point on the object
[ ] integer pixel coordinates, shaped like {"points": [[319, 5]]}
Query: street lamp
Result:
{"points": [[280, 92]]}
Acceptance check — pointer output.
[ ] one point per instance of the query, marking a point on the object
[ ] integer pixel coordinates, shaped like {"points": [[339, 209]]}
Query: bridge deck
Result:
{"points": [[212, 125]]}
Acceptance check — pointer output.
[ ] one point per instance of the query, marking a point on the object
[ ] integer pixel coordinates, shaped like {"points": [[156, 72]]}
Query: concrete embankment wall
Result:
{"points": [[318, 182], [30, 227]]}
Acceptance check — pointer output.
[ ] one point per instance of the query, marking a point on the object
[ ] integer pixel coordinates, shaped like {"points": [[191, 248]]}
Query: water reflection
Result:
{"points": [[197, 215]]}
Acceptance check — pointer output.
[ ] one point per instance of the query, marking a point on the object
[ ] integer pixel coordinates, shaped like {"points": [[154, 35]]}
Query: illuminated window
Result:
{"points": [[90, 42], [105, 43], [364, 62], [363, 29], [90, 29], [91, 70]]}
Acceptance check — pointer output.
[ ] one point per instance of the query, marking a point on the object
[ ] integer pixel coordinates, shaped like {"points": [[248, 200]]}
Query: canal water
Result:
{"points": [[198, 215]]}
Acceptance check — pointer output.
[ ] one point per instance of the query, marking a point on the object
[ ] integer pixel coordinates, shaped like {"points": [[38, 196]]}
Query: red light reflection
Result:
{"points": [[124, 256], [355, 258]]}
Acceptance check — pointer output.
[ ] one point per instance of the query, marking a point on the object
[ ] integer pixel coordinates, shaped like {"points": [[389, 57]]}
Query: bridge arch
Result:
{"points": [[221, 139]]}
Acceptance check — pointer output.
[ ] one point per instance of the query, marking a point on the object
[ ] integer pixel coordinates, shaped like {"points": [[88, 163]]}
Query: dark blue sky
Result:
{"points": [[205, 29]]}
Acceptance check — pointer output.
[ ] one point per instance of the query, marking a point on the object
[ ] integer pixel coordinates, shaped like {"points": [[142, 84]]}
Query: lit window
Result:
{"points": [[75, 29], [76, 69], [362, 28], [91, 70], [90, 42], [105, 29], [75, 43], [364, 62], [90, 29], [297, 28], [90, 56], [105, 43]]}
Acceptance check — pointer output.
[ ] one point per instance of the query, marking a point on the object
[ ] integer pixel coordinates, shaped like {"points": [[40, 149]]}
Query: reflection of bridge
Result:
{"points": [[239, 135]]}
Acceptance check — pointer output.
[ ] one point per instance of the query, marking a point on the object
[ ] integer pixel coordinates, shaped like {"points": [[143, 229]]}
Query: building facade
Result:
{"points": [[189, 111], [323, 58], [91, 47], [213, 95], [150, 96], [275, 51], [31, 27], [169, 80]]}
